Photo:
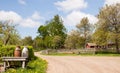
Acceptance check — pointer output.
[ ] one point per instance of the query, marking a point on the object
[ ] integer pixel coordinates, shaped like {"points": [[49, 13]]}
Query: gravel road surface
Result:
{"points": [[81, 64]]}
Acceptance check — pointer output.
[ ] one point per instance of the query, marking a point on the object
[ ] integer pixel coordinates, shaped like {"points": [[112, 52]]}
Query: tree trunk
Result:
{"points": [[6, 40], [117, 46], [85, 36], [116, 38]]}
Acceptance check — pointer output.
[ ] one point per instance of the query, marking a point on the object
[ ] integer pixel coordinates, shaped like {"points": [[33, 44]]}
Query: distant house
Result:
{"points": [[91, 45], [111, 44]]}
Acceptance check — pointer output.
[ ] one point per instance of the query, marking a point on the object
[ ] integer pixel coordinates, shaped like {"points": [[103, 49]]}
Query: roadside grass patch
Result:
{"points": [[107, 54], [63, 54], [35, 66], [70, 54]]}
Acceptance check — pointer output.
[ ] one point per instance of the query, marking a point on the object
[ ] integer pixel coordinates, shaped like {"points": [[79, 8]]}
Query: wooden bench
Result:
{"points": [[9, 59]]}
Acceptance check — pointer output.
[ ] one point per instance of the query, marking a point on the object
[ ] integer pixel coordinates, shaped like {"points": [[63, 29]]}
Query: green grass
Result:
{"points": [[66, 54], [35, 66], [63, 54], [107, 54]]}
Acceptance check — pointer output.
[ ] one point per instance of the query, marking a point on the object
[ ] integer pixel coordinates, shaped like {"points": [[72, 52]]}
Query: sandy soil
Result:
{"points": [[80, 64]]}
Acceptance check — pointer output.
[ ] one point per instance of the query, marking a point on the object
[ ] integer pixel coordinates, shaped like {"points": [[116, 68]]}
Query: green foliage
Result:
{"points": [[35, 66], [8, 33], [85, 29], [27, 41], [105, 52], [38, 44], [100, 37], [74, 40], [51, 31], [56, 42], [109, 20], [42, 30], [48, 41], [84, 26], [31, 53], [7, 50], [52, 28], [14, 39]]}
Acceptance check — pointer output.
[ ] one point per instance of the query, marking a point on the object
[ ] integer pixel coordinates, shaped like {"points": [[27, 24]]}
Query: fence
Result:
{"points": [[79, 51], [69, 51]]}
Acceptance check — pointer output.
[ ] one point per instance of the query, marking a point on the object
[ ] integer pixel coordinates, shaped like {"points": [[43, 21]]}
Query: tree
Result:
{"points": [[74, 40], [109, 19], [51, 29], [8, 32], [100, 37], [38, 43], [48, 41], [14, 39], [43, 31], [84, 28], [27, 41], [56, 42], [56, 27]]}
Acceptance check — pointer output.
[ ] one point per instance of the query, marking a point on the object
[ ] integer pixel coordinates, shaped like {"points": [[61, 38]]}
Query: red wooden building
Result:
{"points": [[91, 45]]}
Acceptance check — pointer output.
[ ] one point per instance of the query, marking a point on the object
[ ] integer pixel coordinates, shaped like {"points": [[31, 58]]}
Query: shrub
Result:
{"points": [[31, 53], [106, 51], [7, 50]]}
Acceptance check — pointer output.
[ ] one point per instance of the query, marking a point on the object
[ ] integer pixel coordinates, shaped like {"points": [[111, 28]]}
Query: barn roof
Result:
{"points": [[91, 44]]}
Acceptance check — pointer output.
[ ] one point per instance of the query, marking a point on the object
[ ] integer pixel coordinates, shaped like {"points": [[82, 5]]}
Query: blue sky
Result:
{"points": [[30, 14]]}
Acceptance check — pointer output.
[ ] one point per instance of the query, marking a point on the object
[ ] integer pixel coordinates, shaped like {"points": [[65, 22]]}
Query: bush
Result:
{"points": [[106, 51], [7, 50], [39, 49], [31, 53]]}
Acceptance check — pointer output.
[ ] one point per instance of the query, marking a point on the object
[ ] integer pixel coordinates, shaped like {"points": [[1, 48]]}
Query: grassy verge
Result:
{"points": [[107, 54], [66, 54], [35, 66], [63, 54]]}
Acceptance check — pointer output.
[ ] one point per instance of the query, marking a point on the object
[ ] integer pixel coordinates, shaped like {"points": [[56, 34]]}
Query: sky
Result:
{"points": [[28, 15]]}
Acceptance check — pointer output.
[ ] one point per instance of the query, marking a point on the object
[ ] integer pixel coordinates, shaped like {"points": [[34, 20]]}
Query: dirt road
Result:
{"points": [[80, 64]]}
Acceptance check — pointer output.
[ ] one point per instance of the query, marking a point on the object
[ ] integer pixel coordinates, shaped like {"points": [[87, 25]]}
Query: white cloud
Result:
{"points": [[29, 23], [75, 17], [70, 5], [17, 19], [36, 16], [22, 2], [10, 15], [110, 2]]}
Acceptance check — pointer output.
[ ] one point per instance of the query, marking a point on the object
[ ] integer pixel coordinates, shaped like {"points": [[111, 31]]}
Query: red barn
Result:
{"points": [[91, 45]]}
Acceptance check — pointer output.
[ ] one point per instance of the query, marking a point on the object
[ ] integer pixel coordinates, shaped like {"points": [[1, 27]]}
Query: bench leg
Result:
{"points": [[8, 64], [23, 64], [4, 66]]}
